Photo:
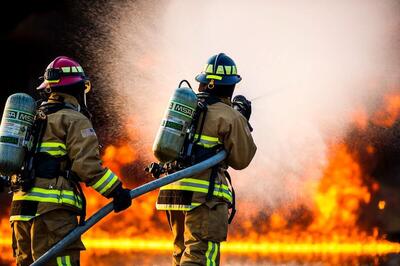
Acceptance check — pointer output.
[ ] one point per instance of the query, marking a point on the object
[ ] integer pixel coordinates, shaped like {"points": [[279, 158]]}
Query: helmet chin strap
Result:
{"points": [[211, 85], [84, 99]]}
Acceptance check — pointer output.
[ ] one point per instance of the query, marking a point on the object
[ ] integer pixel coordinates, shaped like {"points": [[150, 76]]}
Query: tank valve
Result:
{"points": [[155, 169]]}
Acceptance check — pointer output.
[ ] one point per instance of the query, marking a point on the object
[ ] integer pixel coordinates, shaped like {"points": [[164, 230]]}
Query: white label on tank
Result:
{"points": [[174, 125], [12, 133]]}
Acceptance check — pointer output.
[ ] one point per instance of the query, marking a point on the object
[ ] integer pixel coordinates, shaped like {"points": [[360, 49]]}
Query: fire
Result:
{"points": [[329, 224], [340, 193], [381, 204], [388, 116]]}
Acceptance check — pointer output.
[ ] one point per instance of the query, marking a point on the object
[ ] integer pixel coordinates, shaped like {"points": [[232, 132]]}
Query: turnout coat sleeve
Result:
{"points": [[83, 151], [237, 140]]}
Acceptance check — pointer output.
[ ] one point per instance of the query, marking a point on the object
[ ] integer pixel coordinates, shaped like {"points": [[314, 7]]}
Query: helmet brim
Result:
{"points": [[64, 81], [225, 80]]}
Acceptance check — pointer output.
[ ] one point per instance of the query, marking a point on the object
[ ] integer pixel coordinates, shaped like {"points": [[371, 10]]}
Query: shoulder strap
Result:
{"points": [[233, 205], [205, 100]]}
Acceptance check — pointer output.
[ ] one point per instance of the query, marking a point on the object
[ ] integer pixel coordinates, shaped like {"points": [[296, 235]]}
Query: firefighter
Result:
{"points": [[198, 207], [68, 153]]}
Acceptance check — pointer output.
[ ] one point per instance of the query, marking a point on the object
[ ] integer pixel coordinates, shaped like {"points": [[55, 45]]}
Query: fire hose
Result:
{"points": [[143, 189]]}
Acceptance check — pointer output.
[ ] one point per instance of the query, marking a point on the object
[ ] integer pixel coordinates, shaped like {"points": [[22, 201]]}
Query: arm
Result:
{"points": [[238, 142], [83, 151], [82, 147]]}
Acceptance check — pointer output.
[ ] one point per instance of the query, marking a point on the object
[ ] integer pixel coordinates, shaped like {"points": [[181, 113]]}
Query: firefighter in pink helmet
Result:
{"points": [[45, 210]]}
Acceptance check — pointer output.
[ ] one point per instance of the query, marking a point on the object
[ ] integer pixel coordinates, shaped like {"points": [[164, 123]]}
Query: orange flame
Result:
{"points": [[329, 224], [390, 113]]}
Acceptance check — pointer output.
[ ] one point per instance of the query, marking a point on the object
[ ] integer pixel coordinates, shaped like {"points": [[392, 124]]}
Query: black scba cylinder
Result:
{"points": [[172, 132], [15, 131]]}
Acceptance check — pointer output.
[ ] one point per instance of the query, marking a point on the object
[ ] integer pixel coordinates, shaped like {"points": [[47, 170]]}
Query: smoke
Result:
{"points": [[308, 63]]}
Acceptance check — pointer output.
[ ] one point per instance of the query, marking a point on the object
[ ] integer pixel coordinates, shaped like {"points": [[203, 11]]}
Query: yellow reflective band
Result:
{"points": [[66, 69], [74, 70], [46, 191], [208, 138], [196, 181], [176, 207], [68, 192], [52, 81], [211, 253], [51, 196], [220, 70], [64, 261], [105, 182], [209, 68], [223, 195], [215, 253], [102, 179], [109, 185], [234, 70], [220, 190], [37, 198], [68, 260], [186, 188], [72, 202], [79, 68], [207, 141], [228, 70], [24, 218], [214, 77], [49, 144], [208, 257]]}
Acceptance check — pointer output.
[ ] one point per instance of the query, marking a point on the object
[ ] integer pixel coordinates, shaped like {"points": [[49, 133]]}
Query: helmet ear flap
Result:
{"points": [[88, 86]]}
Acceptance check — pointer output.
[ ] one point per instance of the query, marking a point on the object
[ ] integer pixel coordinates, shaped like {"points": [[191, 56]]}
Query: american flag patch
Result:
{"points": [[88, 132]]}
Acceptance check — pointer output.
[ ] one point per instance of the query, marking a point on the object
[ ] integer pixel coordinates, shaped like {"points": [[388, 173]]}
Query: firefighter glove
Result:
{"points": [[241, 104], [122, 198]]}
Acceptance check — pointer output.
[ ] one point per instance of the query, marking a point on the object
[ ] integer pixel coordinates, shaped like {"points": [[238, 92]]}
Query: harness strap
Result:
{"points": [[211, 186], [233, 205], [26, 180], [74, 179]]}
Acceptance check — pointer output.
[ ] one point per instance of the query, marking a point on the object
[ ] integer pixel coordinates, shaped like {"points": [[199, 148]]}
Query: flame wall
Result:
{"points": [[324, 77]]}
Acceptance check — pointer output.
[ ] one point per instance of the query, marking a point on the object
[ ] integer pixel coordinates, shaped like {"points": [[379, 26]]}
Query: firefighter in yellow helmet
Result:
{"points": [[198, 207], [47, 201]]}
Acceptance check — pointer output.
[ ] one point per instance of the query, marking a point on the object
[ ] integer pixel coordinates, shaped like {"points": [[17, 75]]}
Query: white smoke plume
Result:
{"points": [[306, 63]]}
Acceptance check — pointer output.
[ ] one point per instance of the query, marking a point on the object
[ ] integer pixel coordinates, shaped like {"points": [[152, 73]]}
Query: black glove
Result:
{"points": [[122, 198], [241, 104]]}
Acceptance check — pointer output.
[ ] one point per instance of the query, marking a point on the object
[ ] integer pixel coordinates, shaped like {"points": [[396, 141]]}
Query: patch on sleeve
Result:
{"points": [[88, 132]]}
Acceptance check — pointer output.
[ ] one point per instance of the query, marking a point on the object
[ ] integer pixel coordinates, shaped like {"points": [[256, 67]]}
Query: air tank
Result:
{"points": [[172, 132], [15, 130]]}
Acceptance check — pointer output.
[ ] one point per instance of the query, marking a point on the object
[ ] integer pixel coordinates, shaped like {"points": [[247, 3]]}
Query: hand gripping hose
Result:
{"points": [[143, 189]]}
